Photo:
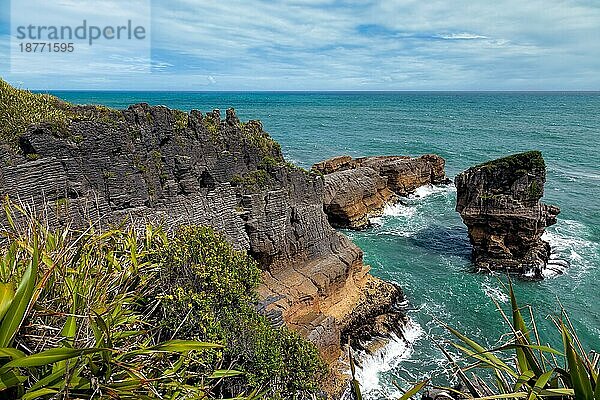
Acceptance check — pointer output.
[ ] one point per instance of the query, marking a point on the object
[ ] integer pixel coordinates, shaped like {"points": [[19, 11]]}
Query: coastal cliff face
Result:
{"points": [[152, 164], [357, 189], [499, 203]]}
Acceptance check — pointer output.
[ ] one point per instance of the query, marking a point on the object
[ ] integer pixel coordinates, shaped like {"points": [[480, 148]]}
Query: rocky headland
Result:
{"points": [[153, 164], [499, 202], [357, 189]]}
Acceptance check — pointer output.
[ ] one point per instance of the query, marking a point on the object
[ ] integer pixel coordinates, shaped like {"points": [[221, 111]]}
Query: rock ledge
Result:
{"points": [[357, 189]]}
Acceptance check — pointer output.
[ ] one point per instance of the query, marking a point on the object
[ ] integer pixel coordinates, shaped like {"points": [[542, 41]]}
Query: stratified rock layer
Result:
{"points": [[499, 203], [353, 195], [153, 164], [357, 189]]}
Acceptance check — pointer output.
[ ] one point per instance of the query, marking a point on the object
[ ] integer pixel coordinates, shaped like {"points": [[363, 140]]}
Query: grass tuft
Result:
{"points": [[21, 109]]}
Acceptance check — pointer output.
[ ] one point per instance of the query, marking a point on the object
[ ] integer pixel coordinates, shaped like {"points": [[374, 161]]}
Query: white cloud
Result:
{"points": [[396, 44], [462, 36]]}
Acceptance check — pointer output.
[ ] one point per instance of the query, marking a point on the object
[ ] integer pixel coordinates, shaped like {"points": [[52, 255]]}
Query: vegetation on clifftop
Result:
{"points": [[20, 108], [261, 140], [138, 314], [518, 162]]}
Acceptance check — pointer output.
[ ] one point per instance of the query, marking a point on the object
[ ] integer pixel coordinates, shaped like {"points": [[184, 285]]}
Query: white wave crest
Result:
{"points": [[495, 293], [569, 248], [408, 207], [399, 210], [385, 359], [428, 190]]}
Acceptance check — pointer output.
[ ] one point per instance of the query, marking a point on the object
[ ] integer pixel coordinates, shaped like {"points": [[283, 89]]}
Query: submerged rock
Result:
{"points": [[499, 203], [357, 189]]}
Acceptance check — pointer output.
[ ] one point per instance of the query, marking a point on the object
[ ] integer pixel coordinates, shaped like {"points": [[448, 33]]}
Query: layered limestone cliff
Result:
{"points": [[154, 164], [499, 203], [357, 189]]}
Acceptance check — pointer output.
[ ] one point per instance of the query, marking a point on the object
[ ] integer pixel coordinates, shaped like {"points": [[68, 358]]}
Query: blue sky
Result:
{"points": [[353, 45]]}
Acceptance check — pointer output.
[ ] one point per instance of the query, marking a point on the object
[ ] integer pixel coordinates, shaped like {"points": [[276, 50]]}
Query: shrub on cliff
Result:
{"points": [[20, 109], [212, 296], [125, 314]]}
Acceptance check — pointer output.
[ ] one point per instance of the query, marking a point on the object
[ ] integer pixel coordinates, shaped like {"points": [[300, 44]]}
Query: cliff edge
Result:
{"points": [[153, 164]]}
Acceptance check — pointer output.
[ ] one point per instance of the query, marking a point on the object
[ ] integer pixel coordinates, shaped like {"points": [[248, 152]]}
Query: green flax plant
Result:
{"points": [[536, 370], [76, 318]]}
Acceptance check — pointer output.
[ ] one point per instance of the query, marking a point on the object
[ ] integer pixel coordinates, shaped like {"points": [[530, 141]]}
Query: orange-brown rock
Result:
{"points": [[353, 195], [406, 174], [333, 164]]}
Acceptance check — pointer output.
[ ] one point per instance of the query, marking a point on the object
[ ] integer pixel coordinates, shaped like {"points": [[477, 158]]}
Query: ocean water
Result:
{"points": [[421, 243]]}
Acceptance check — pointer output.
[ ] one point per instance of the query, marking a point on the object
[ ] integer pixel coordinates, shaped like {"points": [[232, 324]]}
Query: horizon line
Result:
{"points": [[328, 91]]}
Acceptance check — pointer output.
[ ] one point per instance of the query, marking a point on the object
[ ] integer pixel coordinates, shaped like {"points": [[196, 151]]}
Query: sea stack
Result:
{"points": [[499, 203], [357, 189]]}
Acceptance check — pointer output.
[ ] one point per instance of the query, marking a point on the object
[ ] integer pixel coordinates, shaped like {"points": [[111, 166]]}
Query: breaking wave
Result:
{"points": [[428, 190], [571, 251], [387, 358]]}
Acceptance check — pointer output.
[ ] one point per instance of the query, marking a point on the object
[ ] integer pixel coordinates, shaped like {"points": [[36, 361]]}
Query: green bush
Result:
{"points": [[181, 120], [129, 314], [268, 163], [212, 297], [259, 139], [211, 124], [253, 180]]}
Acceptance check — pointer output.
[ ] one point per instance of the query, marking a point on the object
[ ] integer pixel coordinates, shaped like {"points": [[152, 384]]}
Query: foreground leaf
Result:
{"points": [[47, 357], [414, 390], [225, 373], [19, 305], [179, 346]]}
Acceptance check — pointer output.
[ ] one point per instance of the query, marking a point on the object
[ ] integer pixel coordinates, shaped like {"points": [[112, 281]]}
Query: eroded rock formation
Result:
{"points": [[499, 203], [153, 164], [357, 189]]}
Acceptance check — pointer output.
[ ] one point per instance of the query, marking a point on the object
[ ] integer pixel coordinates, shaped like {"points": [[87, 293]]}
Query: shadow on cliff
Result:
{"points": [[444, 240]]}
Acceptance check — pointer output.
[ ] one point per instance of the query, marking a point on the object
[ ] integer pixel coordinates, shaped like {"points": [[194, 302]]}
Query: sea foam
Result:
{"points": [[428, 190], [386, 359], [570, 250]]}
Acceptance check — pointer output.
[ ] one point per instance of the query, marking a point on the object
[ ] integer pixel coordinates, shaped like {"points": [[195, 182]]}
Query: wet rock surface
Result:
{"points": [[499, 203], [357, 189]]}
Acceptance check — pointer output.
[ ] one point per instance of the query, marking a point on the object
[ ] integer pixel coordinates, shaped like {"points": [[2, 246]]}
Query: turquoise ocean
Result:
{"points": [[421, 243]]}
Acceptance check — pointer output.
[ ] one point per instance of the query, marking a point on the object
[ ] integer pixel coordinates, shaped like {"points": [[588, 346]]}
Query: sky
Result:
{"points": [[253, 45]]}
